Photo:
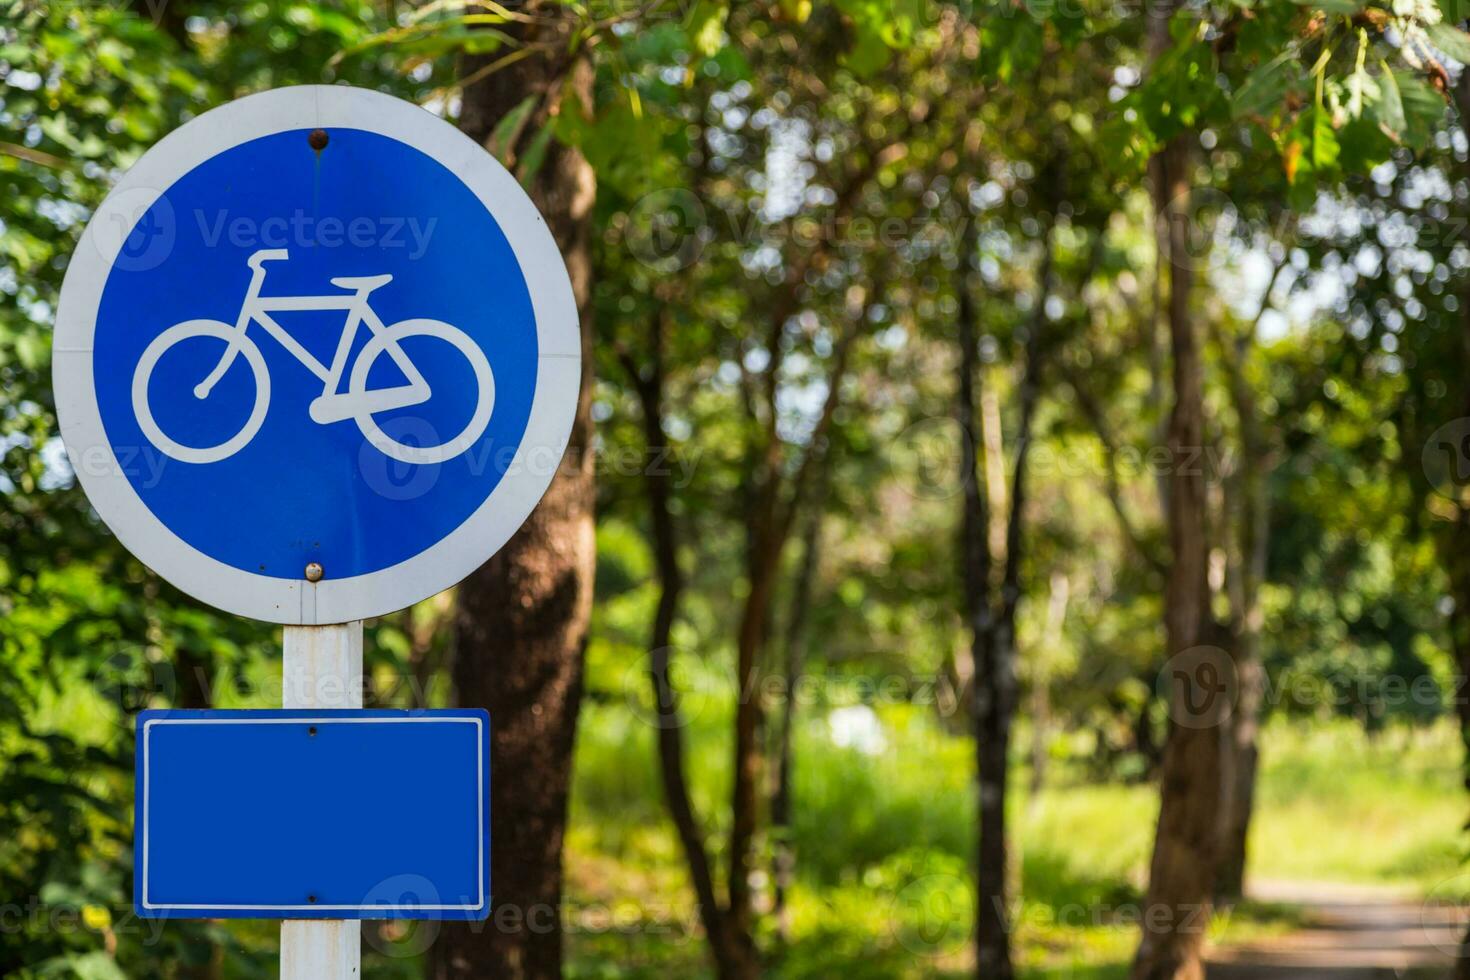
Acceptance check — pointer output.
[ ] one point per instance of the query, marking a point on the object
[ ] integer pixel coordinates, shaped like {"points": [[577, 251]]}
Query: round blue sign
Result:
{"points": [[317, 356]]}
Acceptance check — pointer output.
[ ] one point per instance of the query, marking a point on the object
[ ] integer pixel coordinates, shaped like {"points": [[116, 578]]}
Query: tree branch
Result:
{"points": [[29, 155], [1095, 416]]}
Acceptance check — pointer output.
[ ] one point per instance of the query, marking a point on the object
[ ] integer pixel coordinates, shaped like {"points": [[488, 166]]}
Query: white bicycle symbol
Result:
{"points": [[356, 403]]}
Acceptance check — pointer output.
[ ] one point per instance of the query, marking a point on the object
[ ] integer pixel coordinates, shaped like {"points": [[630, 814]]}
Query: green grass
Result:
{"points": [[884, 844], [1335, 805]]}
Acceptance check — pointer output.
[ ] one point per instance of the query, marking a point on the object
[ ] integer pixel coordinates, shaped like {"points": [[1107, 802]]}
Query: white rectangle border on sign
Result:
{"points": [[148, 720]]}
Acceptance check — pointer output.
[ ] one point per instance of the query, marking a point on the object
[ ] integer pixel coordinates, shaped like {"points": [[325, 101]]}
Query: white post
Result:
{"points": [[322, 668]]}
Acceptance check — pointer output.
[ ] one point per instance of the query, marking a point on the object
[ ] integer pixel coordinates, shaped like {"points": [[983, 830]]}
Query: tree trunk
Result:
{"points": [[522, 621], [1455, 552], [1247, 571], [762, 561], [650, 387], [762, 567], [783, 855], [1182, 872], [1239, 799], [775, 502], [1243, 726], [1455, 546], [1040, 700], [993, 712], [993, 691], [992, 948], [1454, 549], [193, 684], [993, 959]]}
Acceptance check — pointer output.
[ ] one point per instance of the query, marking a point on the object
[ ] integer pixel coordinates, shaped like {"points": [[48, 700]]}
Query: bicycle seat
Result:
{"points": [[364, 283]]}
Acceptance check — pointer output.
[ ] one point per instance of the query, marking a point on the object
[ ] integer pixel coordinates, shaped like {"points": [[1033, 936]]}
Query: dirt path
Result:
{"points": [[1351, 933]]}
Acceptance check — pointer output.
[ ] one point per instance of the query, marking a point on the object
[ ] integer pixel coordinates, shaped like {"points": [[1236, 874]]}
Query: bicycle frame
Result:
{"points": [[331, 405]]}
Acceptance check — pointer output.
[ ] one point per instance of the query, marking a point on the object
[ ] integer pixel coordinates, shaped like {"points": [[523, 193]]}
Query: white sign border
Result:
{"points": [[553, 408]]}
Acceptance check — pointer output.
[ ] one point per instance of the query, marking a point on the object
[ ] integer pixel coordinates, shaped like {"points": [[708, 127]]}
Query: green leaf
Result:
{"points": [[1423, 108], [706, 26], [1325, 148], [878, 29], [1365, 144], [903, 18], [465, 35], [796, 11], [868, 54], [1362, 91], [732, 65], [1266, 87], [1455, 11], [502, 137], [1389, 109], [1342, 7], [1011, 47], [1451, 40], [95, 966], [1181, 93], [534, 156]]}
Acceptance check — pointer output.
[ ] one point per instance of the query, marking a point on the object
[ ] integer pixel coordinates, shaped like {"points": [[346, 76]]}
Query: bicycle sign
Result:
{"points": [[357, 403], [316, 356]]}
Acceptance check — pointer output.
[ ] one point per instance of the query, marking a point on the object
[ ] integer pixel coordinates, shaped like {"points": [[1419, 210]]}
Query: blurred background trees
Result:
{"points": [[970, 387]]}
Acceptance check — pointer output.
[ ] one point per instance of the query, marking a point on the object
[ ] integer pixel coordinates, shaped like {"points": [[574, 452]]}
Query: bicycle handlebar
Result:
{"points": [[266, 255]]}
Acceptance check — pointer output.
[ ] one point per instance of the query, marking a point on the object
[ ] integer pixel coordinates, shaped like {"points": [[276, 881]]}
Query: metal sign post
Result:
{"points": [[321, 668]]}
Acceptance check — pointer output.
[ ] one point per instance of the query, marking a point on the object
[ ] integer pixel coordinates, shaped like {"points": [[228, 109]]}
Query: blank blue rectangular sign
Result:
{"points": [[312, 814]]}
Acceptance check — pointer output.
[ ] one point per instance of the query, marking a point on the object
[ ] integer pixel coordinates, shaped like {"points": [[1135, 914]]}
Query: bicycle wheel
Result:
{"points": [[484, 380], [176, 334]]}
